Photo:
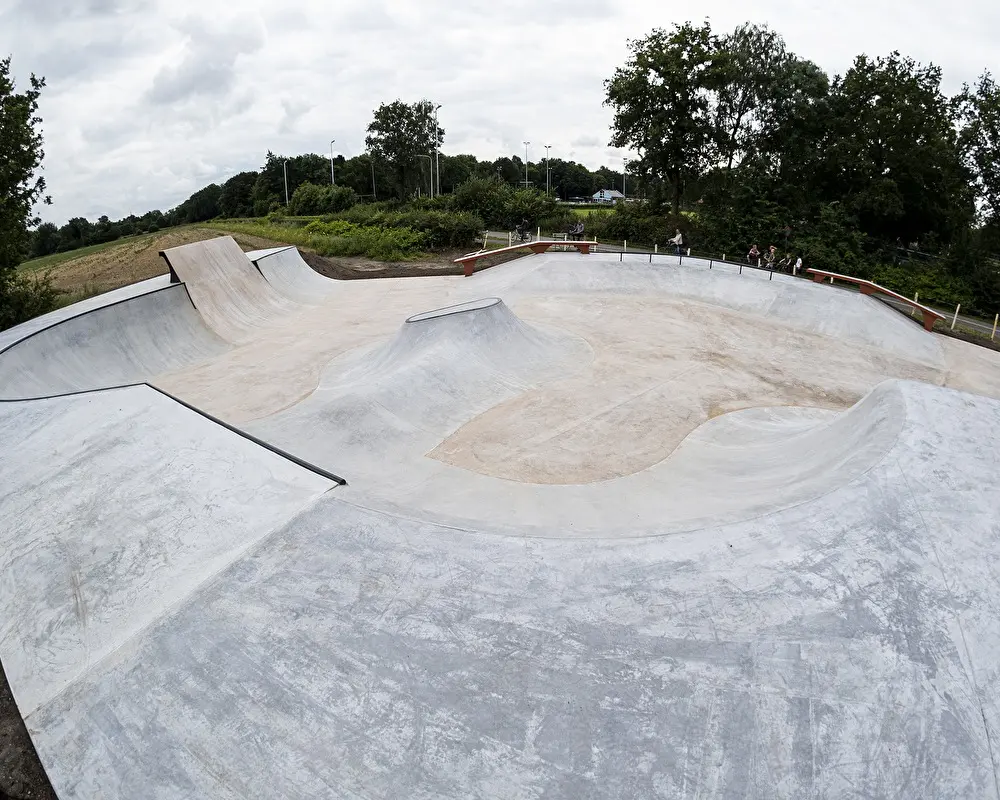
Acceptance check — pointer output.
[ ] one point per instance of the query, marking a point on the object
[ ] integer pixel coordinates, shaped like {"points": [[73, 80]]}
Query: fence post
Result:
{"points": [[758, 263], [538, 237], [996, 319], [510, 238], [650, 258], [486, 240], [621, 256], [916, 299], [624, 245], [741, 269], [689, 252], [770, 274], [723, 256], [955, 318]]}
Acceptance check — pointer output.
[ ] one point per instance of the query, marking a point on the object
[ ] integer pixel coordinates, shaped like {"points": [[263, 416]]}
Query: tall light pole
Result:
{"points": [[547, 169], [624, 169], [526, 164], [332, 180], [437, 150], [284, 166], [371, 160]]}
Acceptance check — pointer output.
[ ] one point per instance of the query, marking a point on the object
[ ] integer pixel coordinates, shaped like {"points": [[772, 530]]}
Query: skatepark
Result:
{"points": [[573, 526]]}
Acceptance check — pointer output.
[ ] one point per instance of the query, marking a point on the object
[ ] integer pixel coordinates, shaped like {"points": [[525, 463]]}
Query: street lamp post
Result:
{"points": [[332, 180], [371, 160], [437, 150], [547, 169], [526, 164], [284, 166], [624, 170]]}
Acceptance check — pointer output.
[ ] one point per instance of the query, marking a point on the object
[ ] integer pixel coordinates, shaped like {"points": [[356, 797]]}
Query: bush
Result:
{"points": [[635, 222], [310, 199], [23, 297], [440, 228]]}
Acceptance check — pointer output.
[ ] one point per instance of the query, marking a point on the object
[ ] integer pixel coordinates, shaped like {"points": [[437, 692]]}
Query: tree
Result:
{"points": [[892, 153], [398, 135], [21, 188], [45, 240], [661, 104], [236, 198], [201, 206], [979, 116]]}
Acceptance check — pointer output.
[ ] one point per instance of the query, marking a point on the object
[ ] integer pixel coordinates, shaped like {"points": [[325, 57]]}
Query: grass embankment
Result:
{"points": [[336, 238], [54, 260]]}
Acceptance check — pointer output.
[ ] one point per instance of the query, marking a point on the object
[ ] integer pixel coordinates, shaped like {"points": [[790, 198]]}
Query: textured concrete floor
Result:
{"points": [[626, 530]]}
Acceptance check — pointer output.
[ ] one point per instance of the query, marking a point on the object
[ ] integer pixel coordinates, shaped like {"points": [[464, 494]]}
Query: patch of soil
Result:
{"points": [[134, 260], [21, 773], [345, 268]]}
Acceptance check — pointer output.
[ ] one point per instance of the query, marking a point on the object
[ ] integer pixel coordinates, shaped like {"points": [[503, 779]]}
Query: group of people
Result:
{"points": [[575, 231], [771, 260]]}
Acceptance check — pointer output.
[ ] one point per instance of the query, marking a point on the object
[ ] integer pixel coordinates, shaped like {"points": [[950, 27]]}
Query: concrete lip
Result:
{"points": [[458, 308], [612, 528]]}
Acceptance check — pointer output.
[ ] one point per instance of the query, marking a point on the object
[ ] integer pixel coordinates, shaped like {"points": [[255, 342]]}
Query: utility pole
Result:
{"points": [[430, 179], [284, 165], [547, 169], [371, 160], [526, 164], [437, 150], [333, 181]]}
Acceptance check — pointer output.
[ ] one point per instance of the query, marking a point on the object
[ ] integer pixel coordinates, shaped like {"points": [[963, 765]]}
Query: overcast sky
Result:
{"points": [[148, 101]]}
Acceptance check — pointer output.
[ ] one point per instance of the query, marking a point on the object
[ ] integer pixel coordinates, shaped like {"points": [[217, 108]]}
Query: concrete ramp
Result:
{"points": [[117, 505], [231, 295], [844, 647], [796, 302], [292, 277], [129, 341]]}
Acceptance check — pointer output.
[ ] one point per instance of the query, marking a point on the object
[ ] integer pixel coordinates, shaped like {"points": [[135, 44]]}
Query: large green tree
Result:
{"points": [[21, 188], [236, 198], [400, 135], [662, 108], [979, 115]]}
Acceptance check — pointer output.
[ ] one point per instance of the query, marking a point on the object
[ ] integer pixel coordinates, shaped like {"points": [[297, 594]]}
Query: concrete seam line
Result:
{"points": [[260, 442]]}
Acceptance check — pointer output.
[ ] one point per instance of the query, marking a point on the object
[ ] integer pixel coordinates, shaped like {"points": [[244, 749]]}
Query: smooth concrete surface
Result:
{"points": [[115, 506], [125, 342], [841, 648], [18, 332], [611, 529], [284, 269], [234, 299]]}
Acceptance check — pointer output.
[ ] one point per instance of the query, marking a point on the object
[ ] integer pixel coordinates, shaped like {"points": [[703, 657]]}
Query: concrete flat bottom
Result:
{"points": [[609, 529]]}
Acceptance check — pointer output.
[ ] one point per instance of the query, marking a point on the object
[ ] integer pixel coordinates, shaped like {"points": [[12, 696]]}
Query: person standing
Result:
{"points": [[798, 266], [753, 257], [678, 242]]}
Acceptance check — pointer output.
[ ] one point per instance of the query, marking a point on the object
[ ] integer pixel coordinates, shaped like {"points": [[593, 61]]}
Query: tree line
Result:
{"points": [[366, 177], [861, 171]]}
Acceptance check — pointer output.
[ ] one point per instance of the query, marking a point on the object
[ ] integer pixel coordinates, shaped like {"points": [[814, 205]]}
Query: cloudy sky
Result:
{"points": [[148, 101]]}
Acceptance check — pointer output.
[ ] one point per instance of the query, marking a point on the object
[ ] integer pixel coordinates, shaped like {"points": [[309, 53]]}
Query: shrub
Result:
{"points": [[310, 199], [440, 228], [23, 297]]}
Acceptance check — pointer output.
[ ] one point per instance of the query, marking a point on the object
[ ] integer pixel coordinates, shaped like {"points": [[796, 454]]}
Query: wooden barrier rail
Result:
{"points": [[468, 262], [867, 287]]}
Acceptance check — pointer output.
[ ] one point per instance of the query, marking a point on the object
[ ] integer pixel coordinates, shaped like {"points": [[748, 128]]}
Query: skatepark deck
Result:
{"points": [[611, 528]]}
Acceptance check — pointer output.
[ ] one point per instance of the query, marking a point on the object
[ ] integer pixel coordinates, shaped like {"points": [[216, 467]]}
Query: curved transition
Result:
{"points": [[439, 369], [186, 614], [284, 269], [126, 342]]}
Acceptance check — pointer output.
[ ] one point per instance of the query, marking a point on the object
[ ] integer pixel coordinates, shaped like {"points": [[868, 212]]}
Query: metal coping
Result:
{"points": [[459, 308]]}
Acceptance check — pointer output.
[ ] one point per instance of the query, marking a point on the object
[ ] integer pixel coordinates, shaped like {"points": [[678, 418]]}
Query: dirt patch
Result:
{"points": [[346, 268], [132, 261], [21, 773]]}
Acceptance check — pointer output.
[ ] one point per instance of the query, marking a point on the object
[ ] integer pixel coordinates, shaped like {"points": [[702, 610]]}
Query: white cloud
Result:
{"points": [[147, 101]]}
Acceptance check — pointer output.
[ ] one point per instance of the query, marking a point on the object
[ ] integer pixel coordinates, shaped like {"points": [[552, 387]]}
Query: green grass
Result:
{"points": [[47, 262]]}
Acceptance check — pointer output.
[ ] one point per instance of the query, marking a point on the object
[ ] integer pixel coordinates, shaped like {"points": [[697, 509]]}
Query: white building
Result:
{"points": [[608, 196]]}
